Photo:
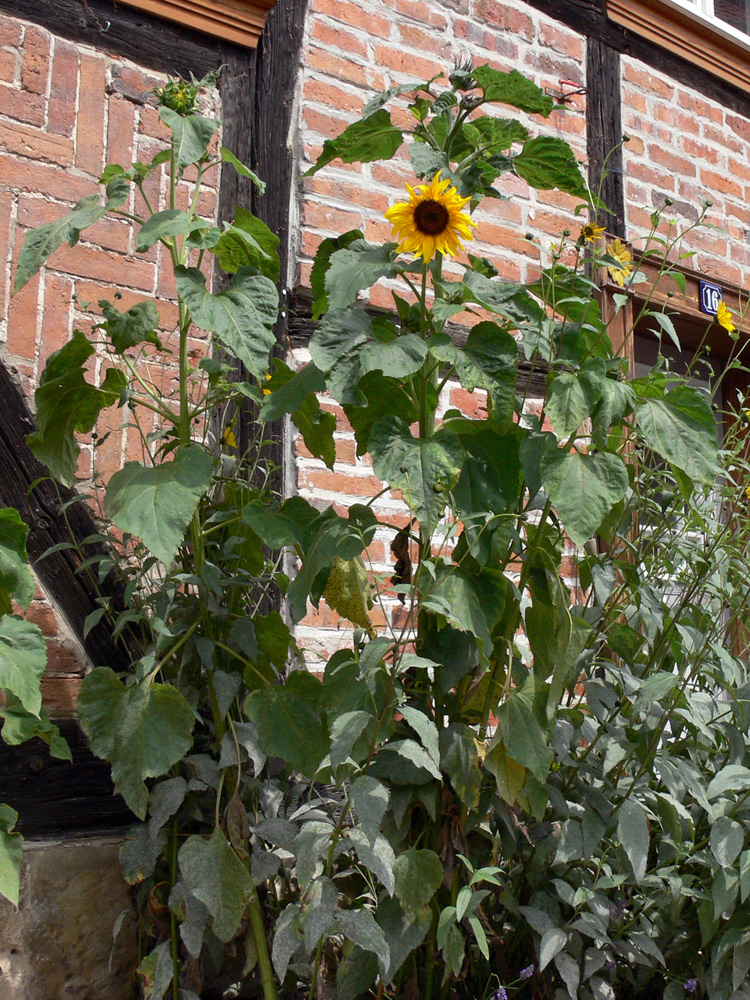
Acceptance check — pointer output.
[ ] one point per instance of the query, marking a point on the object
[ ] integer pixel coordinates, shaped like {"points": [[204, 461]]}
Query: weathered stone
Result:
{"points": [[57, 944]]}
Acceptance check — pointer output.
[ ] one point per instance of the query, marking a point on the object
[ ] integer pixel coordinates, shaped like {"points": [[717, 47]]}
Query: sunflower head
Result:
{"points": [[724, 317], [590, 233], [431, 221], [620, 252], [179, 95]]}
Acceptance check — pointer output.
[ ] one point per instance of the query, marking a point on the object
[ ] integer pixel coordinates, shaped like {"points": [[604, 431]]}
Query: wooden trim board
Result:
{"points": [[694, 40], [237, 21]]}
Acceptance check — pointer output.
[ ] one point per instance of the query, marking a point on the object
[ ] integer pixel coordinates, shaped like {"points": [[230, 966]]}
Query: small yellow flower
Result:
{"points": [[747, 492], [267, 392], [431, 221], [724, 318], [591, 232], [620, 252], [228, 437]]}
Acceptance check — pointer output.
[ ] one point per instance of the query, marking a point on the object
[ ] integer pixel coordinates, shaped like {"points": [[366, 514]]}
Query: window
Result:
{"points": [[238, 21], [712, 34]]}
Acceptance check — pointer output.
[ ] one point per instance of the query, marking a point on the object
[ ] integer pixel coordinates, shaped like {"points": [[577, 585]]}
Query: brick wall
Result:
{"points": [[353, 49], [65, 111], [688, 148]]}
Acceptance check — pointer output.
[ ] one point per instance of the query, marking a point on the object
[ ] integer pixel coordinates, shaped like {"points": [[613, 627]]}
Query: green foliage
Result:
{"points": [[142, 730], [540, 775], [157, 504], [373, 138], [67, 404]]}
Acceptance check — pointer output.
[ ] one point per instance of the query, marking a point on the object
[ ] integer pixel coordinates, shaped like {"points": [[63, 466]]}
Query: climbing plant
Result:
{"points": [[533, 783]]}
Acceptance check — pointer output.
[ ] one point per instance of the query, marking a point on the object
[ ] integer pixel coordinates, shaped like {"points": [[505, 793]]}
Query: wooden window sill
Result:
{"points": [[238, 21], [686, 35]]}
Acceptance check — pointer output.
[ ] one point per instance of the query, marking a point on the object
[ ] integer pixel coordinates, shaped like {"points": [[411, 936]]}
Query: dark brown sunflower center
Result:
{"points": [[431, 218]]}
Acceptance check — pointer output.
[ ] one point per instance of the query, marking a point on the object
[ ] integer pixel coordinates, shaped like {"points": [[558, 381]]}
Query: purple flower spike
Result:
{"points": [[502, 994], [691, 985], [527, 973]]}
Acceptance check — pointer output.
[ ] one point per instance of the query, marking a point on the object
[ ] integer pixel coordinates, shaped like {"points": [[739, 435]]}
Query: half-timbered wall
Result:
{"points": [[65, 110]]}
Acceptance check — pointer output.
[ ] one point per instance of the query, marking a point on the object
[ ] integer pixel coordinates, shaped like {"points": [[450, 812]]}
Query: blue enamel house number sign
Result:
{"points": [[710, 297]]}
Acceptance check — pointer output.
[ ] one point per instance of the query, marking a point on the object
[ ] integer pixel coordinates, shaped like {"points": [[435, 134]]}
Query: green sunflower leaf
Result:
{"points": [[191, 135], [583, 488], [547, 162], [425, 471], [67, 404], [320, 268], [16, 578], [157, 503], [356, 266], [142, 730], [514, 89], [347, 346], [11, 855], [242, 317], [371, 138], [294, 393], [23, 659]]}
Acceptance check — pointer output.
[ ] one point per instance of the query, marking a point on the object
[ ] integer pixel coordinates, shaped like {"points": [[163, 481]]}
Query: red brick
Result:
{"points": [[720, 182], [10, 31], [58, 293], [645, 78], [326, 217], [25, 141], [64, 90], [22, 321], [424, 41], [422, 12], [334, 97], [134, 83], [22, 105], [338, 38], [515, 21], [344, 69], [26, 175], [324, 124], [151, 124], [407, 63], [8, 64], [357, 17], [693, 103], [561, 40], [676, 164], [91, 116], [60, 696], [101, 265], [41, 614], [36, 60]]}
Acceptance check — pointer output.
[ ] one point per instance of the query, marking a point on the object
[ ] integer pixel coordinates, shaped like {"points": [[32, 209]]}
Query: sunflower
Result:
{"points": [[432, 220], [620, 252], [724, 318], [591, 232]]}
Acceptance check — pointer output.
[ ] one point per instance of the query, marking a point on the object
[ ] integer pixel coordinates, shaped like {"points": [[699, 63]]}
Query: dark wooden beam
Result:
{"points": [[54, 797], [123, 31], [75, 593], [589, 18], [604, 132]]}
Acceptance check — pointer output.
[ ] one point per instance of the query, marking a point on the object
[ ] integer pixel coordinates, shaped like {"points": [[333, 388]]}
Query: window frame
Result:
{"points": [[238, 21], [694, 34]]}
